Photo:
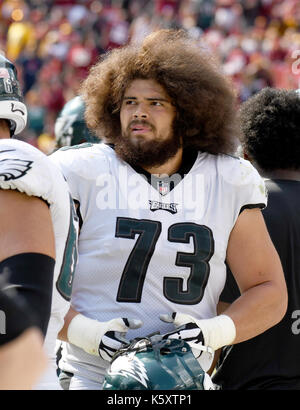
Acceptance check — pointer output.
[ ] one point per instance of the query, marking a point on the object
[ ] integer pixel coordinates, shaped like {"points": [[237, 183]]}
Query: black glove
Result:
{"points": [[187, 328], [114, 336]]}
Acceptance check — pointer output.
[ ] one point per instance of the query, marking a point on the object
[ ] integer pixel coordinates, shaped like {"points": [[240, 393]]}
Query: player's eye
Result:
{"points": [[156, 103], [130, 102]]}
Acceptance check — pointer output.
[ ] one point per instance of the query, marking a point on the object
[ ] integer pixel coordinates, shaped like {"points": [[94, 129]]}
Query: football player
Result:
{"points": [[13, 111], [163, 206], [22, 356], [70, 128], [38, 233]]}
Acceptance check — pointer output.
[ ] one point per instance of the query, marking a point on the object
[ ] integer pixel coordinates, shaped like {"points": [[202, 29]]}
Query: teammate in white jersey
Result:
{"points": [[162, 208], [22, 357], [26, 261], [38, 233]]}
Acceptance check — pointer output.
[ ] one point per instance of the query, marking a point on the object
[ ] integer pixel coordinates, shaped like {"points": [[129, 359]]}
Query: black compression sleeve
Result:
{"points": [[31, 275], [15, 316]]}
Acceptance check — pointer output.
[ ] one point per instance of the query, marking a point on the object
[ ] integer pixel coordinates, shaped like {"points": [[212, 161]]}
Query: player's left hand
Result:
{"points": [[188, 329]]}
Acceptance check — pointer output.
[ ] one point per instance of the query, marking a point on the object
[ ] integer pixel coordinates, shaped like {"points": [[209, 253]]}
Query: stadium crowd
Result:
{"points": [[53, 44]]}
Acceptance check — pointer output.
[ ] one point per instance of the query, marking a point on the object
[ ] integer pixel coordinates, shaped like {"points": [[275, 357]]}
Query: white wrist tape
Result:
{"points": [[86, 333], [218, 331]]}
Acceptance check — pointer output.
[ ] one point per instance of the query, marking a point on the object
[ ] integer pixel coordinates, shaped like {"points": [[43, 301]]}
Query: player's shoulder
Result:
{"points": [[236, 178], [238, 171], [14, 148], [85, 150], [26, 169], [84, 159], [18, 158]]}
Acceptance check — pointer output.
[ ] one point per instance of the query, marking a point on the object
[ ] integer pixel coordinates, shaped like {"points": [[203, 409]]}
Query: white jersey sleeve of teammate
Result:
{"points": [[28, 170]]}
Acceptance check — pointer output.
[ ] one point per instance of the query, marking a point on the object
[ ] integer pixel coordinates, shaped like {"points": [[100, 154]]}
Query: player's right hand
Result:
{"points": [[114, 332]]}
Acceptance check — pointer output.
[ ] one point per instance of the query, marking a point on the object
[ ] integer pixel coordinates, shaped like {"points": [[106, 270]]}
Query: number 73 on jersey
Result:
{"points": [[146, 233]]}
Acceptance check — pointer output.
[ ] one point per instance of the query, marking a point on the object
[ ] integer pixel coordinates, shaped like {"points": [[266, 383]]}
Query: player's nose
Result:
{"points": [[140, 112]]}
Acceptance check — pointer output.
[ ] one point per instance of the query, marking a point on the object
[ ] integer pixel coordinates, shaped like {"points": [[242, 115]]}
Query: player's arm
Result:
{"points": [[221, 307], [22, 361], [25, 225], [257, 269], [63, 334], [97, 338], [27, 252], [22, 358]]}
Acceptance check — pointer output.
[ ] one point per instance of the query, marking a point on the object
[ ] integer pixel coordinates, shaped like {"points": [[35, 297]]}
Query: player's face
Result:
{"points": [[147, 123], [4, 129], [147, 112]]}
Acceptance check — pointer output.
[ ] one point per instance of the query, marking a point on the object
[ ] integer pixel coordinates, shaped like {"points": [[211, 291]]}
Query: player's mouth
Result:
{"points": [[140, 128]]}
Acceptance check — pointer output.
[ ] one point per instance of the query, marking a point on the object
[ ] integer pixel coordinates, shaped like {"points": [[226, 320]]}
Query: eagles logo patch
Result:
{"points": [[155, 206], [13, 168], [130, 366]]}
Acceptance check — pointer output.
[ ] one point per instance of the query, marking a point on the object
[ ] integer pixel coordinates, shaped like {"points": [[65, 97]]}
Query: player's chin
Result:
{"points": [[143, 138]]}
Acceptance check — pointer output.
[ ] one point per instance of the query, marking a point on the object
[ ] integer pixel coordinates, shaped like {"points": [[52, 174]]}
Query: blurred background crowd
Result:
{"points": [[53, 43]]}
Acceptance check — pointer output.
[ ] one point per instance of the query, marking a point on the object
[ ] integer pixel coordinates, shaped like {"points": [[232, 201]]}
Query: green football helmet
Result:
{"points": [[152, 363], [12, 107], [70, 127]]}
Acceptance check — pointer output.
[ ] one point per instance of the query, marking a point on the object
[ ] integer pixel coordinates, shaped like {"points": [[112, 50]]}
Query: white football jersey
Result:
{"points": [[145, 250], [28, 170]]}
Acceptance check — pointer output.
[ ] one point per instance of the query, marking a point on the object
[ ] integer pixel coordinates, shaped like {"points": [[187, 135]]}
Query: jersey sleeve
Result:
{"points": [[255, 192], [73, 161], [28, 170], [82, 166], [66, 162], [247, 187]]}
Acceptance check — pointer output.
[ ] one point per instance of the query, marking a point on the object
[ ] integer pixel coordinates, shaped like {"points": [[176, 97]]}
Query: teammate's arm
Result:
{"points": [[22, 358], [22, 361], [25, 225], [27, 252], [25, 230]]}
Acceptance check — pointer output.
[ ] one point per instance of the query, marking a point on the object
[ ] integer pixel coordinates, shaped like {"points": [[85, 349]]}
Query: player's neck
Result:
{"points": [[4, 129], [168, 168], [290, 174]]}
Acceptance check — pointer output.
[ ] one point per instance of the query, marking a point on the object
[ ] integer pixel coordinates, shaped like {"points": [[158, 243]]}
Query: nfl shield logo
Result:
{"points": [[163, 187]]}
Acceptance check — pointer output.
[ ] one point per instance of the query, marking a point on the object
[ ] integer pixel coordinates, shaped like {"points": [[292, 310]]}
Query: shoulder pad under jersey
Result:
{"points": [[85, 161], [241, 173], [26, 169]]}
